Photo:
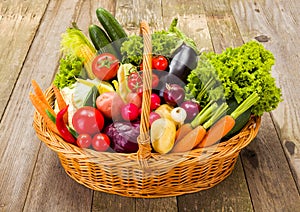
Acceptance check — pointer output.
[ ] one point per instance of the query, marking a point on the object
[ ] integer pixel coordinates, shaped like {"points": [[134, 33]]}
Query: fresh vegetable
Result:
{"points": [[75, 43], [84, 141], [184, 60], [173, 94], [163, 43], [98, 36], [38, 92], [192, 138], [165, 111], [70, 67], [41, 107], [90, 99], [192, 108], [153, 116], [237, 73], [154, 102], [105, 66], [122, 75], [130, 112], [240, 121], [62, 127], [110, 104], [178, 114], [160, 63], [110, 24], [123, 136], [100, 142], [226, 123], [135, 81], [162, 135], [88, 120], [60, 102]]}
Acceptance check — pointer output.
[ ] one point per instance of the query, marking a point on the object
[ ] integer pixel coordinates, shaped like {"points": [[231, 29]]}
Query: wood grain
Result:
{"points": [[266, 166], [18, 23], [278, 20]]}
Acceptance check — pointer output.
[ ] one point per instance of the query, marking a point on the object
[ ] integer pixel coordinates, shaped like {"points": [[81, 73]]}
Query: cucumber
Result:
{"points": [[110, 24], [98, 36], [241, 121]]}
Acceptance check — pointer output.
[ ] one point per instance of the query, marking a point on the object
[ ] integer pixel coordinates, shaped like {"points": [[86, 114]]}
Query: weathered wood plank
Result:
{"points": [[271, 183], [18, 23], [278, 20]]}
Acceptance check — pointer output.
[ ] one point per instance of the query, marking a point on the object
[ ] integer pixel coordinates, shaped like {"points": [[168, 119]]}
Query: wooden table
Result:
{"points": [[267, 174]]}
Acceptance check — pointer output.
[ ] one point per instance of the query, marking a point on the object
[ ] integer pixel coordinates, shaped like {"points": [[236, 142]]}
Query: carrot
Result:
{"points": [[226, 123], [40, 107], [38, 91], [191, 139], [60, 101], [182, 131], [217, 131]]}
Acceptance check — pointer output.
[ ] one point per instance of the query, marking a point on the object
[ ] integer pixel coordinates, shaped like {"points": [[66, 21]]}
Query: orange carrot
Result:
{"points": [[226, 123], [40, 107], [60, 101], [38, 92], [182, 131], [217, 131], [193, 138], [190, 140]]}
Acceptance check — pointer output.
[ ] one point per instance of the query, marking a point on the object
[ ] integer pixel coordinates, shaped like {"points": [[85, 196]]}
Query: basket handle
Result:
{"points": [[143, 140]]}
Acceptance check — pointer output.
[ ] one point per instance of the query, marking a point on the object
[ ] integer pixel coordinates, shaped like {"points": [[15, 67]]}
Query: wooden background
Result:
{"points": [[267, 174]]}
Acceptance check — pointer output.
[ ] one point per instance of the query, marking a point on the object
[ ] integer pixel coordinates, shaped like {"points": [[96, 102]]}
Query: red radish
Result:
{"points": [[153, 116], [155, 101], [130, 112]]}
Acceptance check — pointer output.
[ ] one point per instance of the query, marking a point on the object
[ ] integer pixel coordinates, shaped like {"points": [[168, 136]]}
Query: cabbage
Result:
{"points": [[123, 136]]}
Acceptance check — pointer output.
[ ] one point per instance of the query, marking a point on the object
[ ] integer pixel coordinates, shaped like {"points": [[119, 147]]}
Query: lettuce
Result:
{"points": [[241, 71], [70, 67]]}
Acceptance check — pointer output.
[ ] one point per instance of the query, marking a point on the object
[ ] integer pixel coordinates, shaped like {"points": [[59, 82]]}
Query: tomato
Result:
{"points": [[100, 142], [88, 120], [110, 104], [134, 81], [160, 63], [84, 140], [105, 66]]}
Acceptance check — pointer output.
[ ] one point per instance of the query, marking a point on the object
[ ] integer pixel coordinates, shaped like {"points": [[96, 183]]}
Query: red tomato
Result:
{"points": [[110, 104], [88, 120], [105, 66], [84, 140], [100, 142], [134, 81], [160, 63]]}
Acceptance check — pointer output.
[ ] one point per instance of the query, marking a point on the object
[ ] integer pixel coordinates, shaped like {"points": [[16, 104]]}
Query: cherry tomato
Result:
{"points": [[100, 142], [88, 120], [134, 81], [130, 112], [84, 140], [160, 63], [105, 66]]}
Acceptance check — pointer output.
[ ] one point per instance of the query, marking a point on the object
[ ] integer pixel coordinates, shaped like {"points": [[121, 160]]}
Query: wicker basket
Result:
{"points": [[146, 174]]}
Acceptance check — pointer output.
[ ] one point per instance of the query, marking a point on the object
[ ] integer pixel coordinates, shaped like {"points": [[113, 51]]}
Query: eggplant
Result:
{"points": [[184, 60]]}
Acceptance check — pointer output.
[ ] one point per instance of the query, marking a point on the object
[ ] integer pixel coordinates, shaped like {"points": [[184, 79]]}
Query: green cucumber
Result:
{"points": [[241, 121], [98, 36], [110, 24], [90, 99]]}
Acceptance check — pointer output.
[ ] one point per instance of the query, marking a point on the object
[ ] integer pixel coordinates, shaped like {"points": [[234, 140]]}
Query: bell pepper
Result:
{"points": [[62, 127]]}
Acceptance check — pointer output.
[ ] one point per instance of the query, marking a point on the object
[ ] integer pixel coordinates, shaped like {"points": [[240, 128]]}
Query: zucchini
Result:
{"points": [[98, 36], [241, 121], [110, 24]]}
